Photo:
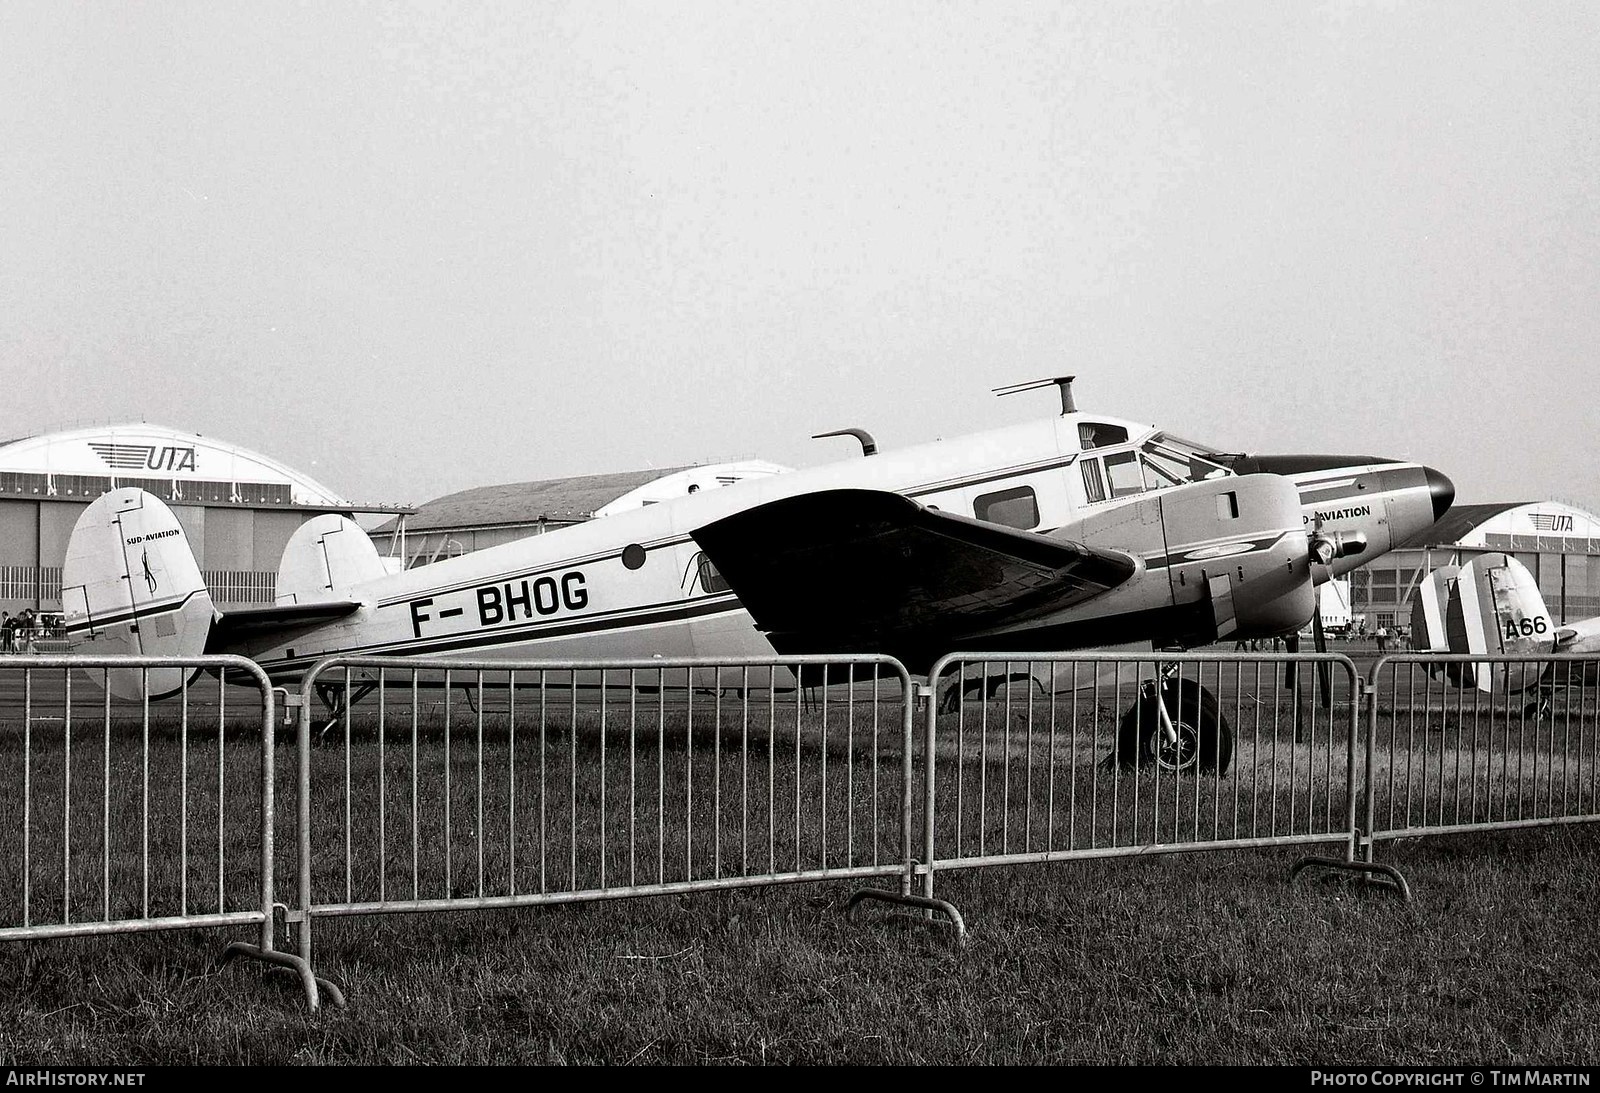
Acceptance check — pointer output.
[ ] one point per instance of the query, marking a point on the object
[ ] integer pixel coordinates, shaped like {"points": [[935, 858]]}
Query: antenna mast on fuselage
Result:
{"points": [[1063, 382], [868, 445]]}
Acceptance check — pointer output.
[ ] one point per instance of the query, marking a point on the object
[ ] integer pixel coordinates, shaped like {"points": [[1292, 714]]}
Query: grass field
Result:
{"points": [[1210, 957]]}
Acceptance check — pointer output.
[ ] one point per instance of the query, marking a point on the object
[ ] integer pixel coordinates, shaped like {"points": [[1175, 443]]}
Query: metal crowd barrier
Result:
{"points": [[116, 818], [1443, 756], [431, 784], [1052, 757], [427, 784], [33, 640]]}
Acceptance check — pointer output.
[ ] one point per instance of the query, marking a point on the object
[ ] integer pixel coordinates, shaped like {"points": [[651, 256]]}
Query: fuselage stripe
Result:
{"points": [[640, 618]]}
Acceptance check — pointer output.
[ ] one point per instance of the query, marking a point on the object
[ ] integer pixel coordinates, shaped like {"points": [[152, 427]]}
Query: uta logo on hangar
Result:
{"points": [[144, 457], [1546, 521]]}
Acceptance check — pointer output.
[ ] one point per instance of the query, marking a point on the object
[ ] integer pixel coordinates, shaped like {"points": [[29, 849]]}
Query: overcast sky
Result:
{"points": [[414, 248]]}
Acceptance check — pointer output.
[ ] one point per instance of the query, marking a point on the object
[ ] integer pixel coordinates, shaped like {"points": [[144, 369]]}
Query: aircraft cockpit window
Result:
{"points": [[1093, 434], [1160, 463], [1094, 483], [1181, 460], [1162, 470], [1123, 470], [1014, 508]]}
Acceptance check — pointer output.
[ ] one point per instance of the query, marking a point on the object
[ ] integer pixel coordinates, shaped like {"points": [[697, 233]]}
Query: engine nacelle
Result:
{"points": [[1221, 558], [1250, 561]]}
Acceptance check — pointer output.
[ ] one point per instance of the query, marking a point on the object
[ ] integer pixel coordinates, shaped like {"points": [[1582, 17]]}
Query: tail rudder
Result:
{"points": [[1429, 604], [1489, 607], [324, 559], [1519, 618], [1430, 612], [130, 586]]}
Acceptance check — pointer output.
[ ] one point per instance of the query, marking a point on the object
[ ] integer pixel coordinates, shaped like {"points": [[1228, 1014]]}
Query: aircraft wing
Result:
{"points": [[245, 623], [864, 570]]}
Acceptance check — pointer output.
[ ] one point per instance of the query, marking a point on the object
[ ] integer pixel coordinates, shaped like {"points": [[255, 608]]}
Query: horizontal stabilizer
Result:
{"points": [[242, 624], [846, 570]]}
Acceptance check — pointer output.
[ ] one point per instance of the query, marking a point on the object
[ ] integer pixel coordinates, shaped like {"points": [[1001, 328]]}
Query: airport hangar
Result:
{"points": [[238, 508], [1558, 542], [486, 516]]}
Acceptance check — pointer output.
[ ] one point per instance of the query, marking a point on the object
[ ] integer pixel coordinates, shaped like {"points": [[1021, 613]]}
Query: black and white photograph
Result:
{"points": [[921, 532]]}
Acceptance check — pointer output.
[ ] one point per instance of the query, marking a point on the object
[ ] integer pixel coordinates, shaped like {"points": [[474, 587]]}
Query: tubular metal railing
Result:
{"points": [[1444, 756], [479, 784], [1050, 757], [119, 819], [425, 784]]}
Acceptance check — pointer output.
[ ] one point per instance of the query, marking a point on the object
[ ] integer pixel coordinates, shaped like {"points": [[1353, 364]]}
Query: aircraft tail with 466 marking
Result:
{"points": [[1491, 606]]}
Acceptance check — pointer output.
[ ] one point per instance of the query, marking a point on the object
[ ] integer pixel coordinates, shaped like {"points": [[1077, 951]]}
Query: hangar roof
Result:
{"points": [[1457, 523], [138, 452], [1525, 525], [555, 500]]}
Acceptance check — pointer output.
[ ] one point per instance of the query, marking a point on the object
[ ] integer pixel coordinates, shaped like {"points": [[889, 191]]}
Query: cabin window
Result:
{"points": [[1014, 508], [1094, 483], [710, 579], [1093, 434], [1123, 470]]}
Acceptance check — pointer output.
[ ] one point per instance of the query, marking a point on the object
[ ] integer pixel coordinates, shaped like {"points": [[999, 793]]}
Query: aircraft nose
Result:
{"points": [[1442, 489]]}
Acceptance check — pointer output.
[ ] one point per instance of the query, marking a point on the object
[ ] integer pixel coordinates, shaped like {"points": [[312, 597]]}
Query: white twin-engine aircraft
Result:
{"points": [[1081, 530]]}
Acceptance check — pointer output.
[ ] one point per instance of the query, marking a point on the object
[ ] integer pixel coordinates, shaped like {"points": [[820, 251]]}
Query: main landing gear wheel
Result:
{"points": [[1203, 741]]}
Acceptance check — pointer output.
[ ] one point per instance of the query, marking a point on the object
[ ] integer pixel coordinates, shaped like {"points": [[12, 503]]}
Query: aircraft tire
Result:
{"points": [[1205, 740]]}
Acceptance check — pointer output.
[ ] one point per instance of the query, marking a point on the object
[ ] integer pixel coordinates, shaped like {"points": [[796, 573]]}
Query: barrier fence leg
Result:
{"points": [[1373, 873], [958, 925], [266, 951], [1358, 848], [904, 897]]}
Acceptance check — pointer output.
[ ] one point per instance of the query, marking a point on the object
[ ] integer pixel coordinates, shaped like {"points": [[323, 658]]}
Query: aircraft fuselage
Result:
{"points": [[1217, 552]]}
